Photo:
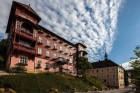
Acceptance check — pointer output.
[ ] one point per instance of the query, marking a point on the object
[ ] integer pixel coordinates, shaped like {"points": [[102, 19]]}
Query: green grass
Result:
{"points": [[41, 83]]}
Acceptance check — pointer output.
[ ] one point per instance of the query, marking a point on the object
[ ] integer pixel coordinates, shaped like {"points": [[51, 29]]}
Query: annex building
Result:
{"points": [[108, 72]]}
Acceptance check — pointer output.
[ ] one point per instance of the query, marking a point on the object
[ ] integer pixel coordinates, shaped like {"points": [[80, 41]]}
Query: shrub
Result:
{"points": [[53, 90]]}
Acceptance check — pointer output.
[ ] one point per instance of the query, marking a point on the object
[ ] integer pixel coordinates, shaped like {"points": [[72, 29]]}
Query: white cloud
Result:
{"points": [[92, 21]]}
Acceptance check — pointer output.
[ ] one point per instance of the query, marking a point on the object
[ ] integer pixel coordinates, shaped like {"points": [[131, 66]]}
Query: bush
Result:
{"points": [[53, 90], [7, 90], [1, 60]]}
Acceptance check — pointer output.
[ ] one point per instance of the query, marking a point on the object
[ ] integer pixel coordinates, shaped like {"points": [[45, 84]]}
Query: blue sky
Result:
{"points": [[111, 25], [128, 36]]}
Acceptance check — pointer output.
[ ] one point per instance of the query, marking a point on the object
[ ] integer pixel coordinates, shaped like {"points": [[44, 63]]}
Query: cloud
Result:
{"points": [[127, 65], [94, 22]]}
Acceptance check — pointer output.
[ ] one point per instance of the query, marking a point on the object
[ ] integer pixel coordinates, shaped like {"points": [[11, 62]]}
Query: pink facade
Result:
{"points": [[32, 44]]}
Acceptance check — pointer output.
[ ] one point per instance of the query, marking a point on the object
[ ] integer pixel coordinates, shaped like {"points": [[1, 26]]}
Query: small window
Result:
{"points": [[61, 48], [18, 25], [23, 60], [107, 76], [66, 50], [40, 40], [48, 43], [39, 64], [113, 76], [54, 56], [54, 66], [39, 50], [97, 71], [47, 66], [54, 45], [47, 53]]}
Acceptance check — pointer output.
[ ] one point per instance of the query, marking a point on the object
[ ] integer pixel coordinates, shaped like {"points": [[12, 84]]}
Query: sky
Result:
{"points": [[102, 25]]}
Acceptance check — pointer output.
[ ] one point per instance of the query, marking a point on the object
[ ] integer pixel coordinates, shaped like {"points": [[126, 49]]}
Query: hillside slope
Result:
{"points": [[40, 83]]}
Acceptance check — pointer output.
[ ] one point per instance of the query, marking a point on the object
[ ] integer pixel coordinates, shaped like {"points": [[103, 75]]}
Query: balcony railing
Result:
{"points": [[23, 48], [25, 34]]}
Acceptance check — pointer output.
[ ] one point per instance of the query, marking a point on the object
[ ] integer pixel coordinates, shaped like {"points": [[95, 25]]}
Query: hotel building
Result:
{"points": [[35, 47]]}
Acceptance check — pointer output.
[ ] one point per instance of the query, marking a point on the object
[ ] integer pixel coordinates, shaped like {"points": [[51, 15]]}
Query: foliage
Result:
{"points": [[41, 83], [136, 66], [3, 47], [1, 59], [83, 65], [19, 69], [7, 90], [53, 90]]}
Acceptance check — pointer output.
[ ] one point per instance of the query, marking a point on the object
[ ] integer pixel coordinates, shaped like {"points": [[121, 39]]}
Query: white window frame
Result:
{"points": [[48, 42], [61, 48], [39, 50], [66, 50], [40, 39], [54, 55], [47, 53], [54, 45], [23, 59]]}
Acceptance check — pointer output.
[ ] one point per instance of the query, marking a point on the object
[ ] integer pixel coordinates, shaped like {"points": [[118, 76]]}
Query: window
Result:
{"points": [[54, 56], [66, 50], [34, 33], [23, 60], [61, 48], [54, 66], [47, 66], [70, 60], [18, 25], [113, 76], [40, 40], [47, 53], [38, 64], [48, 43], [39, 50], [97, 71], [54, 46], [107, 76]]}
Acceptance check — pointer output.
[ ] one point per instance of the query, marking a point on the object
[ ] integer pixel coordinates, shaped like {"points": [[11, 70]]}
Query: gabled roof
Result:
{"points": [[104, 63], [26, 7]]}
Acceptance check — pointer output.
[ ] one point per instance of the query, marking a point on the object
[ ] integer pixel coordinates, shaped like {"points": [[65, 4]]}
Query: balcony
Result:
{"points": [[23, 48], [25, 34]]}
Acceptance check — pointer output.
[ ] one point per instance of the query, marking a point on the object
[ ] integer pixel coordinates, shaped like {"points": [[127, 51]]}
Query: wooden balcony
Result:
{"points": [[25, 34], [23, 48]]}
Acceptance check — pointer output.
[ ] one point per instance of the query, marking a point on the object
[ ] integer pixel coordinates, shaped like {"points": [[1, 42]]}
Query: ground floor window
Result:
{"points": [[23, 59]]}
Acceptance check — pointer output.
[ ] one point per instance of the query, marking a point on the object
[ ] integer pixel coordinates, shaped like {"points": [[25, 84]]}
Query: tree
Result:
{"points": [[3, 49], [136, 66], [83, 65]]}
